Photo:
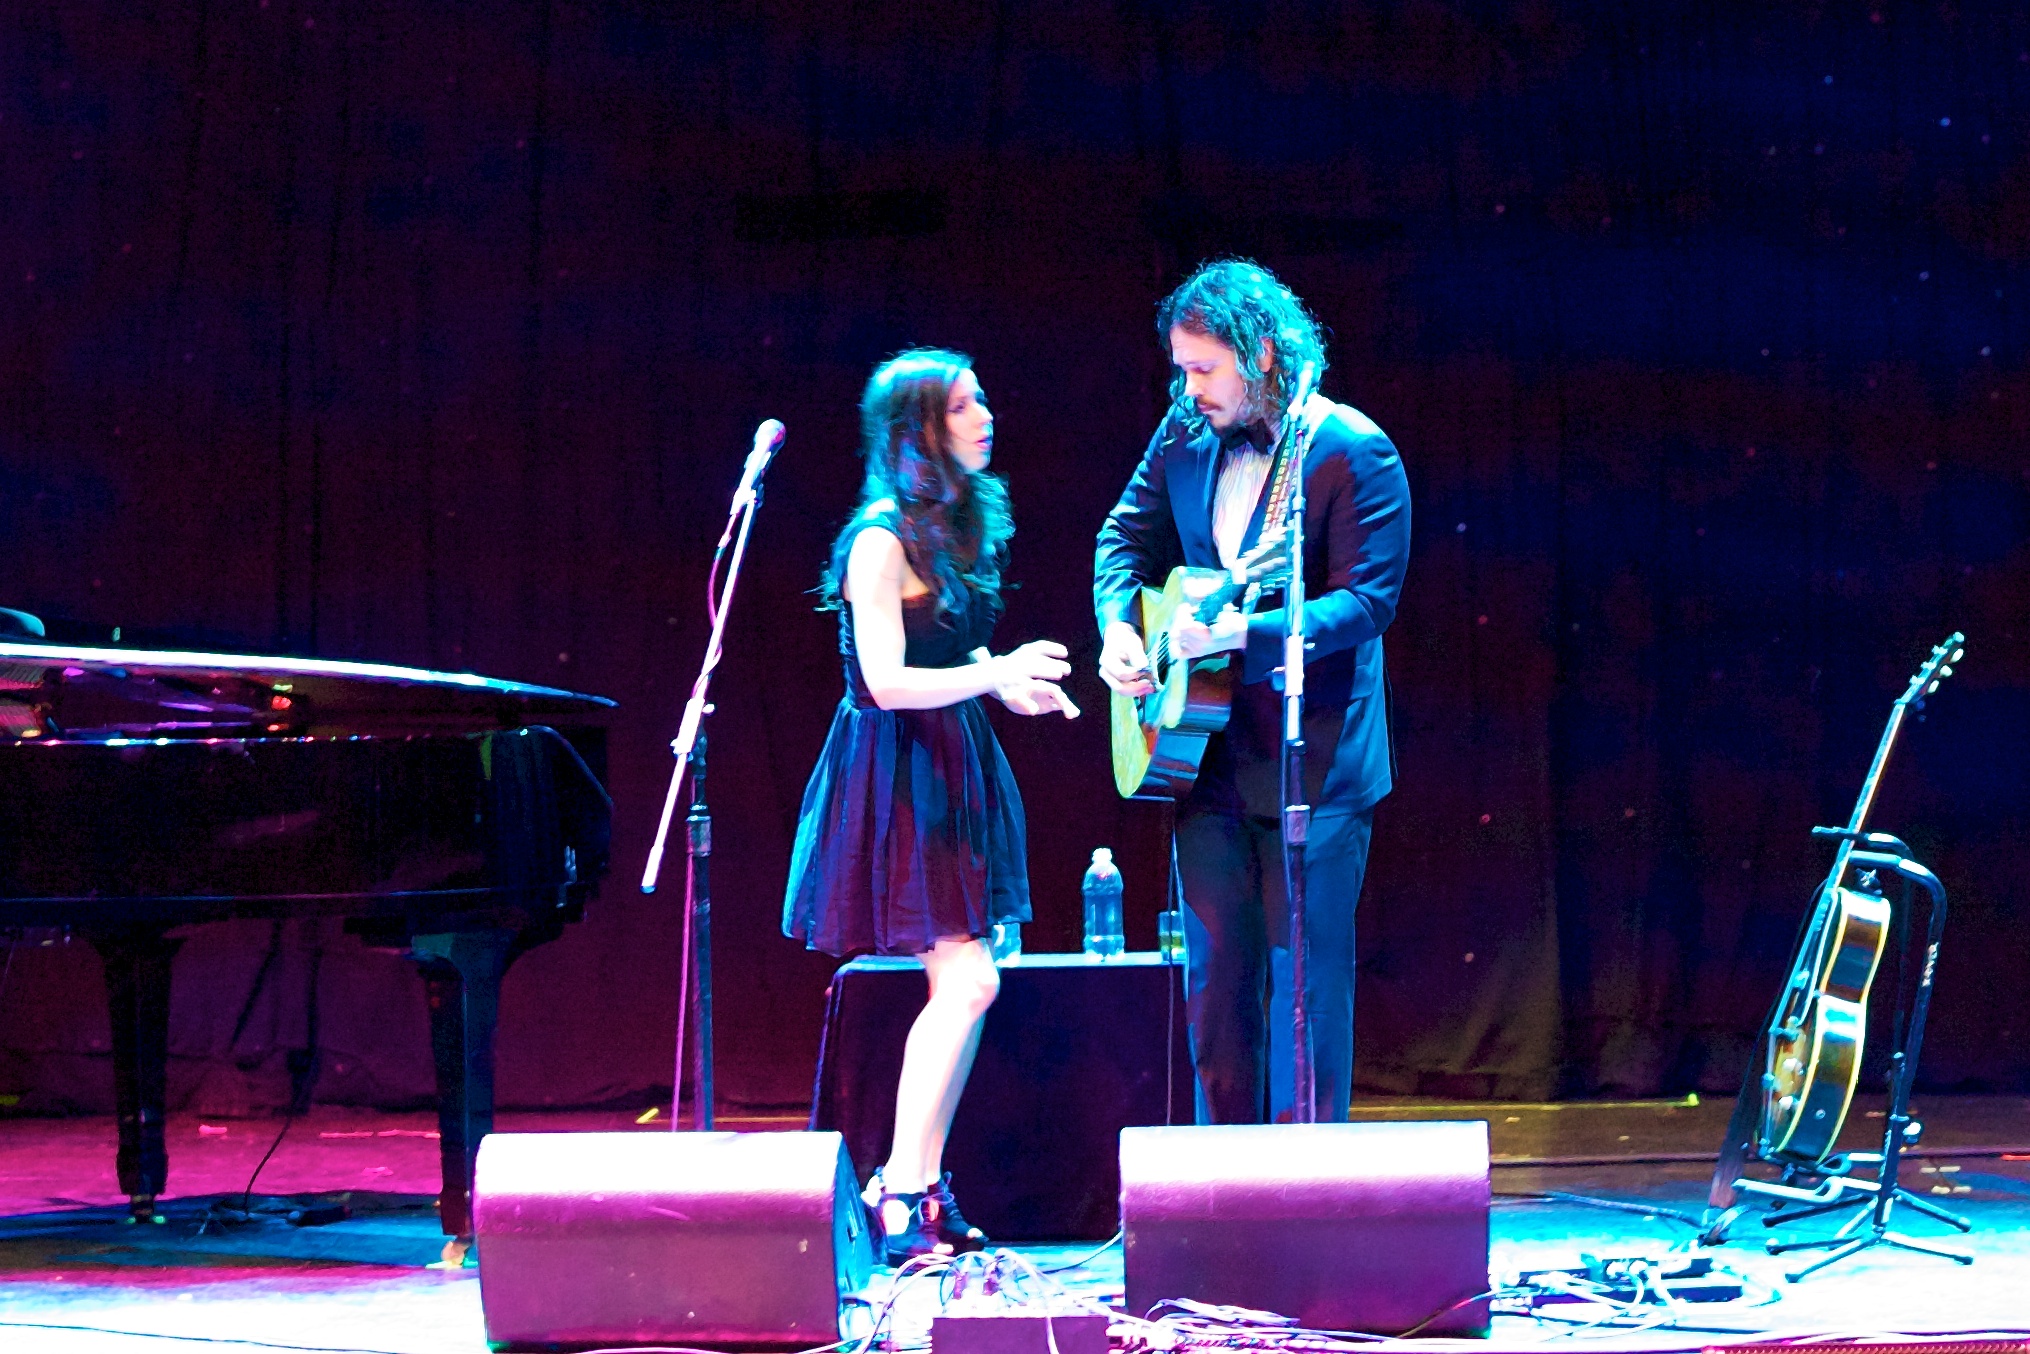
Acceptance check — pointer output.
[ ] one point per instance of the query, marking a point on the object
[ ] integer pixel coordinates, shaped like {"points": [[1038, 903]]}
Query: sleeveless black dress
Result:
{"points": [[912, 828]]}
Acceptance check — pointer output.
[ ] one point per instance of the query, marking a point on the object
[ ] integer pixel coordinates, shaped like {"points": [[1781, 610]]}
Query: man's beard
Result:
{"points": [[1251, 413]]}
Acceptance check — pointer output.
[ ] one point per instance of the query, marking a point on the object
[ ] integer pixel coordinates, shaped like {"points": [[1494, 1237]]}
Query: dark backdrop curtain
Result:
{"points": [[433, 333]]}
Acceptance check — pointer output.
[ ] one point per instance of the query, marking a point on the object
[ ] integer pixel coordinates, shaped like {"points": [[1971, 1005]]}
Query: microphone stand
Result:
{"points": [[694, 998], [697, 966], [1296, 813]]}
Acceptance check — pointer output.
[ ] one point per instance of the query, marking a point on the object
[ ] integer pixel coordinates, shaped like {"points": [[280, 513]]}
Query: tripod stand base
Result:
{"points": [[1844, 1246], [1834, 1194]]}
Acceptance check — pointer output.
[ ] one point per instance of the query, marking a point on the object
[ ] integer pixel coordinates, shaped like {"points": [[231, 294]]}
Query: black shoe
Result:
{"points": [[896, 1219], [951, 1225], [919, 1222], [899, 1223]]}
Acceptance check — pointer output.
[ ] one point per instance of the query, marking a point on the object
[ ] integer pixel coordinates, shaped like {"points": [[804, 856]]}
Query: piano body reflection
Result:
{"points": [[454, 818]]}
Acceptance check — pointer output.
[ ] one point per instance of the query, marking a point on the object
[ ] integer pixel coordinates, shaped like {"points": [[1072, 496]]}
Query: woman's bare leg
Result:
{"points": [[937, 1059]]}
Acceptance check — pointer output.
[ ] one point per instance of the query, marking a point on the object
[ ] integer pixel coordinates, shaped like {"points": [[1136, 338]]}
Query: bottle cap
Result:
{"points": [[1103, 855]]}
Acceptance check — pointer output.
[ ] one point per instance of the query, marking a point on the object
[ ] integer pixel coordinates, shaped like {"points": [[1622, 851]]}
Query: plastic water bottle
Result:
{"points": [[1006, 942], [1102, 889]]}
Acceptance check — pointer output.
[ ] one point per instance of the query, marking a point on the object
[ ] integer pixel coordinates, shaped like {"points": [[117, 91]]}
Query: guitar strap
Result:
{"points": [[1280, 485], [1742, 1127]]}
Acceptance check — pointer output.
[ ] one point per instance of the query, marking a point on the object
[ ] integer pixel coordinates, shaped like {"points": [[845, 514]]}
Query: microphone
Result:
{"points": [[767, 441], [1307, 376], [1293, 412]]}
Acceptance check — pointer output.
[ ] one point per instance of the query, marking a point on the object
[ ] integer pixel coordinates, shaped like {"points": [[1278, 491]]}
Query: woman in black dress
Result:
{"points": [[911, 839]]}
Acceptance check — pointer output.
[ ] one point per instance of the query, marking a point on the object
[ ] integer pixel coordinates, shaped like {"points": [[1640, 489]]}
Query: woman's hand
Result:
{"points": [[1026, 680], [1027, 697]]}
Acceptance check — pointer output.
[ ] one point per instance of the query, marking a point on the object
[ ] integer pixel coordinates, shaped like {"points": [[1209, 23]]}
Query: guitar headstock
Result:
{"points": [[1267, 564], [1936, 669]]}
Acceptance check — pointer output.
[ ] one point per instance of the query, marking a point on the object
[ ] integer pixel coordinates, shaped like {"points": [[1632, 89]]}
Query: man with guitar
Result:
{"points": [[1208, 492]]}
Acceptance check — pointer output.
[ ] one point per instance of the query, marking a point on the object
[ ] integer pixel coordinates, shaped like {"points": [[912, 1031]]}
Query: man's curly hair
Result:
{"points": [[1240, 303]]}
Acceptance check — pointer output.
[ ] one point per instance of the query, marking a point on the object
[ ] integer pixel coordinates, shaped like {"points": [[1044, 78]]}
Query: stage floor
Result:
{"points": [[73, 1277]]}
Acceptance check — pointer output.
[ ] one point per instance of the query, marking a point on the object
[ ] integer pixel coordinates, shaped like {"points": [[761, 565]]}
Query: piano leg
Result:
{"points": [[461, 977], [137, 998]]}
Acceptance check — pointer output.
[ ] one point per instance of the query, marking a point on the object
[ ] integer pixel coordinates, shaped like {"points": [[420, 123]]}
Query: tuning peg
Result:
{"points": [[1957, 655], [1945, 671], [1933, 687]]}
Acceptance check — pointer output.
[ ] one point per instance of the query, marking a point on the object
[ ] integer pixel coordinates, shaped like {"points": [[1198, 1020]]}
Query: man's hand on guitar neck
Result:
{"points": [[1124, 662], [1190, 639]]}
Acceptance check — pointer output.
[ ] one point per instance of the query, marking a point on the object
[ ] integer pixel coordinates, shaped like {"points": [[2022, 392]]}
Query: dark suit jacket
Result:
{"points": [[1356, 546]]}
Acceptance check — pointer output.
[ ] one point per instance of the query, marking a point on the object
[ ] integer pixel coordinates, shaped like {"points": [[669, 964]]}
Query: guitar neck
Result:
{"points": [[1818, 936], [1869, 785], [1229, 593], [1205, 612]]}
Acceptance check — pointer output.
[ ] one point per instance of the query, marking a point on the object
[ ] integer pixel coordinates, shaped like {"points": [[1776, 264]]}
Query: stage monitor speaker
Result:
{"points": [[1360, 1227], [746, 1239]]}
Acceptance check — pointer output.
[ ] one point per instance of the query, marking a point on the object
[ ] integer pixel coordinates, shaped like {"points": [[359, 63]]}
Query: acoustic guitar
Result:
{"points": [[1815, 1041], [1159, 739]]}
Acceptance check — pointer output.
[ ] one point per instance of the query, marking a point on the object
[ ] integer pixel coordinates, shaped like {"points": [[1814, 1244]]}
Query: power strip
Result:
{"points": [[1035, 1328], [1632, 1279]]}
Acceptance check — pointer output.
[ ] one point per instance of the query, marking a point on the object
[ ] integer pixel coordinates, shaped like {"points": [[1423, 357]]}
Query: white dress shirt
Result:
{"points": [[1241, 477]]}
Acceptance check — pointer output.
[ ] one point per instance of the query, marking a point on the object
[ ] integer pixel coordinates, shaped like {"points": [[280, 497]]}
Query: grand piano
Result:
{"points": [[457, 819]]}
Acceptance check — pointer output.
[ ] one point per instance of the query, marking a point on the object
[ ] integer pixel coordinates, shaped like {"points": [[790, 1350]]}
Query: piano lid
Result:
{"points": [[62, 690], [198, 665]]}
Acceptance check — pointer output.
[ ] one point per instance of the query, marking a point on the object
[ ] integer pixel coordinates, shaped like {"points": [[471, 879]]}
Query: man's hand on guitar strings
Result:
{"points": [[1124, 662], [1192, 640]]}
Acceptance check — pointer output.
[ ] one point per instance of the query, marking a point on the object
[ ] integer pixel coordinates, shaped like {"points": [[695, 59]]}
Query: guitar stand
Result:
{"points": [[1838, 1191], [1838, 1188]]}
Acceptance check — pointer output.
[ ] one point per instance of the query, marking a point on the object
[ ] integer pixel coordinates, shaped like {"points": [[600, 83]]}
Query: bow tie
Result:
{"points": [[1243, 438]]}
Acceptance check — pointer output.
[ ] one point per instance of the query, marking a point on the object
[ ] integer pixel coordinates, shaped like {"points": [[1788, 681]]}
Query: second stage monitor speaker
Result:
{"points": [[1357, 1227]]}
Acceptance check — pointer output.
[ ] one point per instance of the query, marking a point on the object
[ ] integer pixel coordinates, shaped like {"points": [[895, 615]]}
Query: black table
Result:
{"points": [[1075, 1050]]}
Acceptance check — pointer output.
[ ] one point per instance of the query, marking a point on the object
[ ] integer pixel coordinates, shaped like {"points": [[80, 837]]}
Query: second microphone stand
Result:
{"points": [[1297, 813], [694, 1001]]}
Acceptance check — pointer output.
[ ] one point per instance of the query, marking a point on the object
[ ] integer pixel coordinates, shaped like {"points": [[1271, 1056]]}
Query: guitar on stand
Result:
{"points": [[1811, 1047]]}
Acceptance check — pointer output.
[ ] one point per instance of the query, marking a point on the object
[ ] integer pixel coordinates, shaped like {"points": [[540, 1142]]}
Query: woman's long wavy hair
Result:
{"points": [[1240, 303], [954, 526]]}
